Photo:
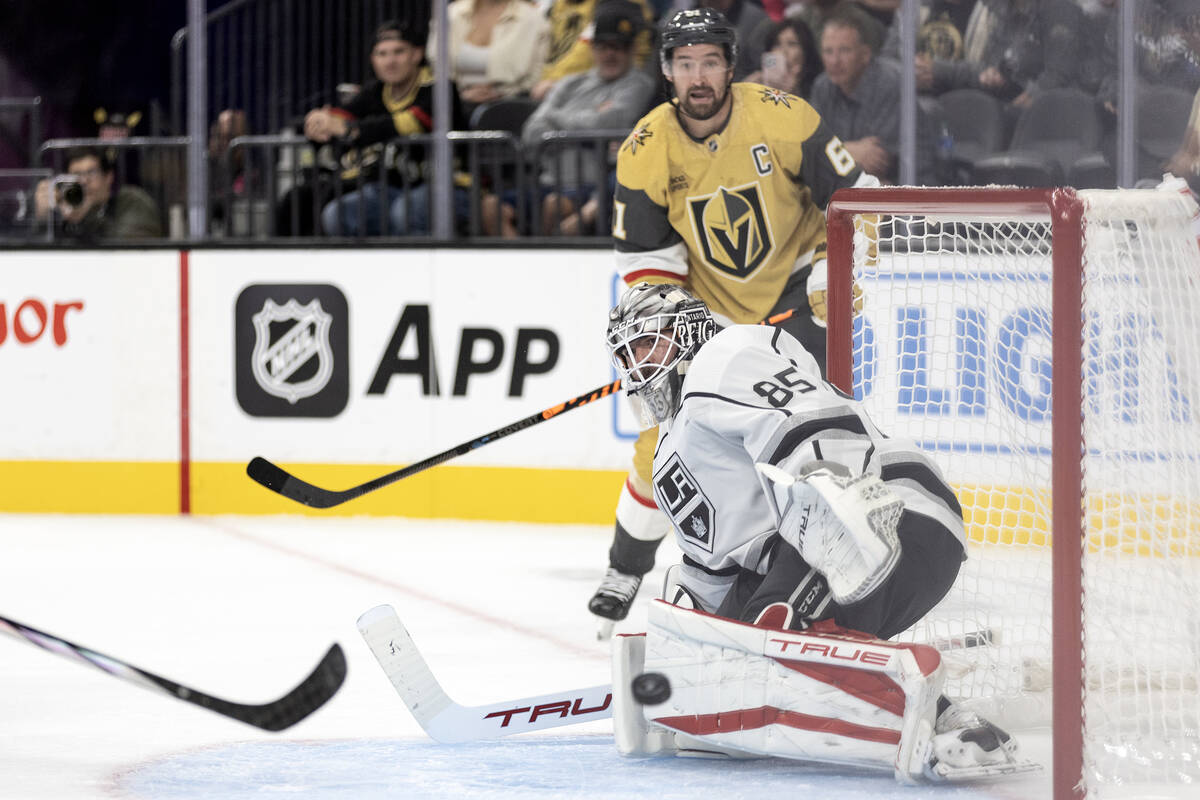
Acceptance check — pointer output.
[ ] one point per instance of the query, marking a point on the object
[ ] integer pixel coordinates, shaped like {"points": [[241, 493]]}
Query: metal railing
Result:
{"points": [[579, 165], [26, 110], [18, 206], [276, 59], [157, 164], [283, 185]]}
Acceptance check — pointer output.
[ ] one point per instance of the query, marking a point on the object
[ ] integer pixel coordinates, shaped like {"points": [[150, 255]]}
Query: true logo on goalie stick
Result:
{"points": [[292, 350], [677, 493], [560, 708]]}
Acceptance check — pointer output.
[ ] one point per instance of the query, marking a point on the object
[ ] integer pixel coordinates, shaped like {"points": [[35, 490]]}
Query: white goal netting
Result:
{"points": [[952, 347]]}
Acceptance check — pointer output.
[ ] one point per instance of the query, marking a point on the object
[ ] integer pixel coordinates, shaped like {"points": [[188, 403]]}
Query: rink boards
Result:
{"points": [[143, 381]]}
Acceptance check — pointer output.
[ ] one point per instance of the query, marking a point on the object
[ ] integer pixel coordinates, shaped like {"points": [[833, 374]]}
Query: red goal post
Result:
{"points": [[977, 321]]}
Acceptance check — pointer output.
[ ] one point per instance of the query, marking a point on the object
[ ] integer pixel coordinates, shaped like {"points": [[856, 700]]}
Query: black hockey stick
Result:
{"points": [[282, 482], [312, 693], [279, 480]]}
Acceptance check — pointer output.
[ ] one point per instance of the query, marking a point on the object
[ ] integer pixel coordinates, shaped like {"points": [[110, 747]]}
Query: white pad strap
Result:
{"points": [[831, 697], [844, 526]]}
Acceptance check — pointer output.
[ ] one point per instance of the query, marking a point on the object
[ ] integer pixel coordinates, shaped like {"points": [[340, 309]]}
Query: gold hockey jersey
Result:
{"points": [[734, 215]]}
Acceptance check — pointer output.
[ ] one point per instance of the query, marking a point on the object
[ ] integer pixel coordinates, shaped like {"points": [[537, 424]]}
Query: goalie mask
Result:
{"points": [[653, 335]]}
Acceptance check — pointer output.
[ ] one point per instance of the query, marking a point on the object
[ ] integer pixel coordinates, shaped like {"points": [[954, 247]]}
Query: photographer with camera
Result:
{"points": [[86, 207]]}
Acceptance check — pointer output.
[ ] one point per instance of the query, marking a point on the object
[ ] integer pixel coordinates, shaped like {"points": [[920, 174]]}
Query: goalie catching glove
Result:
{"points": [[844, 526]]}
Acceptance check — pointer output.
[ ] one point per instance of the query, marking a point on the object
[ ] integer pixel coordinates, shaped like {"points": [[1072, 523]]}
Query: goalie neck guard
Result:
{"points": [[653, 335]]}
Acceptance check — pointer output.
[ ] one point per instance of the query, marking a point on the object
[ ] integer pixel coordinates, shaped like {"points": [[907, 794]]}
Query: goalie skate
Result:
{"points": [[967, 747], [612, 600]]}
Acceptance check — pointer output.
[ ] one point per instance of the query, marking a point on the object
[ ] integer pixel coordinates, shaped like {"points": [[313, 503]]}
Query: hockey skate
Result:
{"points": [[612, 600], [965, 746]]}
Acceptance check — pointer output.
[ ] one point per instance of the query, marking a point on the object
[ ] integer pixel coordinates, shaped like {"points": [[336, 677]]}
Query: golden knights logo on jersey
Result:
{"points": [[731, 229], [677, 493]]}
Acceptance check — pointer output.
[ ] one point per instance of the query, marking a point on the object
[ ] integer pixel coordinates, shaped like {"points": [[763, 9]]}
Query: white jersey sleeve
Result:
{"points": [[754, 394]]}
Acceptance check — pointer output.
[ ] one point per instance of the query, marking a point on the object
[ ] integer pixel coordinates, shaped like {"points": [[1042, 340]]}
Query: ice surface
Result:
{"points": [[243, 607]]}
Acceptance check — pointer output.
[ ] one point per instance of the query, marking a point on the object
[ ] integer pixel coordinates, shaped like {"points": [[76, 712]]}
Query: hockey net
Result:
{"points": [[1044, 347]]}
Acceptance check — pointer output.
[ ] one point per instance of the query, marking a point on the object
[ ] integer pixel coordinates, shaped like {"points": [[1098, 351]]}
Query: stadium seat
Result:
{"points": [[1092, 171], [975, 120], [1018, 169], [507, 114], [1058, 128], [1162, 118]]}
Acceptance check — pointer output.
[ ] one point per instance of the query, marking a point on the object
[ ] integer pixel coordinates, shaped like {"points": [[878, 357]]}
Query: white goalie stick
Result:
{"points": [[448, 722], [309, 695]]}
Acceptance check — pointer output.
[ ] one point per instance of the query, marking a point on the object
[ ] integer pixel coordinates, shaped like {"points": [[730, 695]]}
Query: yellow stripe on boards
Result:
{"points": [[1000, 517], [486, 493], [90, 487]]}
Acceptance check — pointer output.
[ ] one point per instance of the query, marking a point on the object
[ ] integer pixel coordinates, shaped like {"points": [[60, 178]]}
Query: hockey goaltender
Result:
{"points": [[809, 538]]}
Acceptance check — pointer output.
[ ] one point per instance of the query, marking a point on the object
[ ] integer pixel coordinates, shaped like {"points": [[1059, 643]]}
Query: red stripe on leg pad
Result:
{"points": [[870, 687], [754, 718]]}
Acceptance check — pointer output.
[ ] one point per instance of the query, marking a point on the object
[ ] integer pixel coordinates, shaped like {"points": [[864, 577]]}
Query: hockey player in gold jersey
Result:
{"points": [[721, 190]]}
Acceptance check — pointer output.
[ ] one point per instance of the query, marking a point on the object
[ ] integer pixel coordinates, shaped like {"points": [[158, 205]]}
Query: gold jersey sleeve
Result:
{"points": [[734, 215]]}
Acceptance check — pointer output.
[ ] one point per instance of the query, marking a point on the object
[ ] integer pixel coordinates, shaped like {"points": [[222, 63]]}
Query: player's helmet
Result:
{"points": [[653, 335], [697, 26]]}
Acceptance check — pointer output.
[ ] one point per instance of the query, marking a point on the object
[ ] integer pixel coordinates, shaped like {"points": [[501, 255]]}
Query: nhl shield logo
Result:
{"points": [[283, 358], [292, 350]]}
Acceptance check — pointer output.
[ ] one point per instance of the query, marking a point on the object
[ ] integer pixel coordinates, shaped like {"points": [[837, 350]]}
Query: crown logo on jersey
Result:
{"points": [[638, 138], [731, 229], [776, 96]]}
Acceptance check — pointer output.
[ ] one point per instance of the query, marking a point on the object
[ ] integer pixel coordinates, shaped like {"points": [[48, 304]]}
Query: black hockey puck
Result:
{"points": [[651, 688]]}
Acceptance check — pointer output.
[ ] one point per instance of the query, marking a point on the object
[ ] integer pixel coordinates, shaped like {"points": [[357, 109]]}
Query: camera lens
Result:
{"points": [[73, 194]]}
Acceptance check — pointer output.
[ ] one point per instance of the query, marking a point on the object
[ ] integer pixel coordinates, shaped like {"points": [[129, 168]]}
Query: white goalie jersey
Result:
{"points": [[754, 394]]}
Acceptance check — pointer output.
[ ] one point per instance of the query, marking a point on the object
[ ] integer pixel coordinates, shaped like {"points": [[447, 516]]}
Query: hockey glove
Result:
{"points": [[844, 526]]}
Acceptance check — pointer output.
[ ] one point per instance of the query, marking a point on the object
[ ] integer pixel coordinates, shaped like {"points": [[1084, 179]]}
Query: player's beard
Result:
{"points": [[707, 105]]}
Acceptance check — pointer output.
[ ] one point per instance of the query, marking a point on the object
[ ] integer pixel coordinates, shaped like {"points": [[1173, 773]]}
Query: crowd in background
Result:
{"points": [[564, 68]]}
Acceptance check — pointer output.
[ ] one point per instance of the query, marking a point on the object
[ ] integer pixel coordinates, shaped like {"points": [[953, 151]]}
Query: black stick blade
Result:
{"points": [[281, 482], [312, 693]]}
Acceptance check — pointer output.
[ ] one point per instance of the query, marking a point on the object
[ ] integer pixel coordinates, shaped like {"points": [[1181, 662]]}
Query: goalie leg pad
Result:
{"points": [[634, 734], [814, 696]]}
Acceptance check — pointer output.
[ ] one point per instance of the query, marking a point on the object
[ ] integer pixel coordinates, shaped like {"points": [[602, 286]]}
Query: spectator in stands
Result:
{"points": [[226, 172], [858, 97], [95, 212], [1026, 47], [746, 15], [1166, 47], [947, 30], [497, 48], [610, 95], [815, 12], [398, 102], [570, 41], [882, 10], [790, 60], [1186, 161]]}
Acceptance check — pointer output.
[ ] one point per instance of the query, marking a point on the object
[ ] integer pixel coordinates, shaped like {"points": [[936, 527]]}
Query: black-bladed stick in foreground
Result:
{"points": [[312, 693]]}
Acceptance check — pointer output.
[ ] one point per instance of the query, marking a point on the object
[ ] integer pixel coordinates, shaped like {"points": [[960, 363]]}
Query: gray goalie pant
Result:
{"points": [[930, 558]]}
